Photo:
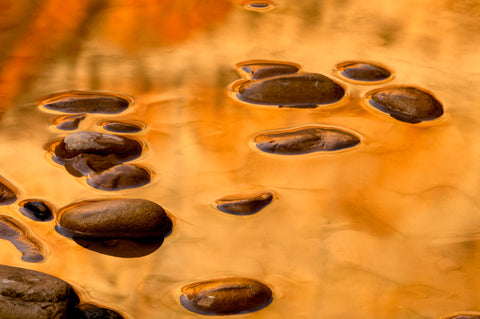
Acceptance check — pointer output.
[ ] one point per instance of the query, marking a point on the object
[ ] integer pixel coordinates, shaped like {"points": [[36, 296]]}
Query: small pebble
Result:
{"points": [[85, 102], [87, 142], [226, 296], [69, 122], [244, 204], [304, 140], [304, 90], [114, 218], [406, 103], [363, 72], [29, 294], [119, 177], [122, 127], [36, 210]]}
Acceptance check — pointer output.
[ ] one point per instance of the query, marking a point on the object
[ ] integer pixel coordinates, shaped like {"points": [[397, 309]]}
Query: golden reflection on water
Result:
{"points": [[389, 229]]}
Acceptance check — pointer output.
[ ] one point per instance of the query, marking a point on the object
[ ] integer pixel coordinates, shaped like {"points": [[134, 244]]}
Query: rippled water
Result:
{"points": [[387, 229]]}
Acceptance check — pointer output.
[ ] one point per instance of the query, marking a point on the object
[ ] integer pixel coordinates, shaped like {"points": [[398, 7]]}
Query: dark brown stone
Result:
{"points": [[19, 235], [122, 127], [119, 177], [37, 210], [28, 294], [244, 204], [362, 71], [7, 194], [86, 142], [70, 122], [91, 311], [304, 140], [226, 296], [298, 90], [86, 102], [114, 218], [85, 164], [406, 103], [261, 70]]}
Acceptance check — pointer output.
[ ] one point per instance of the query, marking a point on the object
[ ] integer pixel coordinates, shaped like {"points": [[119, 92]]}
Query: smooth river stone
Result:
{"points": [[7, 194], [244, 204], [304, 140], [70, 122], [85, 164], [406, 103], [86, 102], [114, 218], [226, 296], [363, 71], [119, 177], [261, 70], [304, 90], [36, 210], [122, 127], [87, 142], [28, 294], [91, 311]]}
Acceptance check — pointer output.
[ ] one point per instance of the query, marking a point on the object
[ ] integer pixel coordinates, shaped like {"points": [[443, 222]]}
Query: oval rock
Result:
{"points": [[406, 103], [244, 204], [226, 296], [304, 90], [122, 127], [304, 140], [86, 102], [36, 210], [87, 142], [29, 294], [120, 177], [114, 218], [257, 70], [363, 71]]}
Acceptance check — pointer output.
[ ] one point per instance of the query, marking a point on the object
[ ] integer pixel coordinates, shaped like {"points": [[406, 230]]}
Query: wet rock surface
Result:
{"points": [[244, 204], [122, 127], [70, 122], [91, 311], [86, 102], [304, 140], [363, 71], [18, 234], [226, 296], [114, 218], [119, 177], [7, 194], [256, 70], [87, 142], [36, 210], [85, 164], [406, 103], [297, 91], [28, 294]]}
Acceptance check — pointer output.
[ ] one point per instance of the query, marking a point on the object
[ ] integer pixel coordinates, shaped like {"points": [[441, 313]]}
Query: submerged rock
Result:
{"points": [[114, 218], [28, 294], [85, 164], [406, 103], [18, 234], [257, 70], [7, 194], [91, 311], [85, 102], [244, 204], [122, 127], [363, 71], [70, 122], [304, 140], [119, 177], [226, 296], [36, 210], [297, 90], [87, 142]]}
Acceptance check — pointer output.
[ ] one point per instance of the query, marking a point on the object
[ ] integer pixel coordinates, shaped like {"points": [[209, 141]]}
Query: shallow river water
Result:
{"points": [[389, 228]]}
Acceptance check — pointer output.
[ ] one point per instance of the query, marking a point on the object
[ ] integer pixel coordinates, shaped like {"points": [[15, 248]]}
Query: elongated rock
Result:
{"points": [[303, 140], [363, 71], [297, 90], [406, 103], [226, 296], [28, 294], [114, 218], [244, 204], [19, 235], [86, 102], [86, 142]]}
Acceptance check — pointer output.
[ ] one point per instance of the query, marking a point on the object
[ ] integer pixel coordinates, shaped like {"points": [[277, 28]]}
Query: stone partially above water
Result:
{"points": [[244, 204], [226, 296], [37, 210], [304, 140], [87, 142], [69, 122], [122, 126], [114, 218], [91, 311], [406, 103], [86, 102], [85, 164], [257, 70], [363, 72], [119, 177], [7, 194], [28, 294]]}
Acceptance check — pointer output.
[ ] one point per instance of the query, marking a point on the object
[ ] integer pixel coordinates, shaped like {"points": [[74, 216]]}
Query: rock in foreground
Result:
{"points": [[28, 294], [226, 296]]}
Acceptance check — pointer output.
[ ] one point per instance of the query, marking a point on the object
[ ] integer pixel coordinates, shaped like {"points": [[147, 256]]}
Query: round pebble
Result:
{"points": [[362, 72], [114, 218], [304, 140], [406, 103], [244, 204], [37, 210], [226, 296], [122, 127]]}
